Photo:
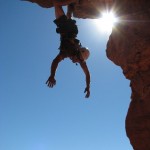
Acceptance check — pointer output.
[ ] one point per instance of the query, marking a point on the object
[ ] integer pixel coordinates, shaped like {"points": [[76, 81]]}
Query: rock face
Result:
{"points": [[82, 8], [91, 8], [129, 48]]}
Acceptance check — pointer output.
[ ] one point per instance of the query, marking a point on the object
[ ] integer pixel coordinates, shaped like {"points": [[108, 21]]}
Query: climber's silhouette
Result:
{"points": [[70, 47]]}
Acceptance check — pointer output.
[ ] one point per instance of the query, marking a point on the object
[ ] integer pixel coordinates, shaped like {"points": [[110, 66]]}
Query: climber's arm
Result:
{"points": [[51, 80], [59, 10], [70, 10], [86, 71]]}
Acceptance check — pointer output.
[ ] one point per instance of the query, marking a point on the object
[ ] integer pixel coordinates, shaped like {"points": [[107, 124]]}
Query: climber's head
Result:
{"points": [[84, 53]]}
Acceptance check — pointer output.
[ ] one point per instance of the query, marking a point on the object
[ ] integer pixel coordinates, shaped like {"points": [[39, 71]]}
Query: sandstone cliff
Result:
{"points": [[129, 48], [83, 8]]}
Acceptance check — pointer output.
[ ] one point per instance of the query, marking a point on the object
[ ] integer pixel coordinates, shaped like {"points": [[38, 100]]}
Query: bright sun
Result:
{"points": [[106, 22]]}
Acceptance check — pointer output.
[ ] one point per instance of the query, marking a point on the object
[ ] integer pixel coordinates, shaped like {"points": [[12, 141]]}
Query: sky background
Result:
{"points": [[35, 117]]}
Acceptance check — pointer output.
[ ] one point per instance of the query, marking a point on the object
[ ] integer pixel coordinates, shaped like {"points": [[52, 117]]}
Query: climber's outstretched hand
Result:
{"points": [[87, 91], [51, 82]]}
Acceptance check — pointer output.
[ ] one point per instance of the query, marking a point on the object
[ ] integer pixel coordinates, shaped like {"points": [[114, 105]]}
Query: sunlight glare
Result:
{"points": [[107, 21]]}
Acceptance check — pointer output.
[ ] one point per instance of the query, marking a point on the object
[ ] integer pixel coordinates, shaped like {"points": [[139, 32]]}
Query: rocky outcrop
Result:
{"points": [[82, 8], [129, 48], [49, 3], [91, 8]]}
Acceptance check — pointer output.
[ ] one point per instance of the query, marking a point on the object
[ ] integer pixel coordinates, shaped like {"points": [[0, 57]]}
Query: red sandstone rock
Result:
{"points": [[49, 3], [91, 8], [129, 47], [83, 8]]}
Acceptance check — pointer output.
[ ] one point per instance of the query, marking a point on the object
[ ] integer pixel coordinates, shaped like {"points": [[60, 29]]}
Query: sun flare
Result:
{"points": [[107, 21]]}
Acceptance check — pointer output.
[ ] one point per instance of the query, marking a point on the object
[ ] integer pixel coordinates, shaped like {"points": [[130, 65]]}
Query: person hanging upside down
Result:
{"points": [[70, 46]]}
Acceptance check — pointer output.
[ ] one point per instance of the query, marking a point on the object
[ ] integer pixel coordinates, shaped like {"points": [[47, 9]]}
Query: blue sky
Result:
{"points": [[34, 117]]}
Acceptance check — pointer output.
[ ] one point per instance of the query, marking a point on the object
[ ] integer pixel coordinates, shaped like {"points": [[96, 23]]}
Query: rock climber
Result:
{"points": [[70, 46]]}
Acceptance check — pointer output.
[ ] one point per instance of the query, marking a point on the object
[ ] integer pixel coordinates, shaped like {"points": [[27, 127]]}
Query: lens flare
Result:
{"points": [[107, 21]]}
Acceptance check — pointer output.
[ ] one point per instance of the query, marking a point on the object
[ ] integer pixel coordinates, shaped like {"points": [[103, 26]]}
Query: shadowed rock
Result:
{"points": [[83, 8], [129, 47]]}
